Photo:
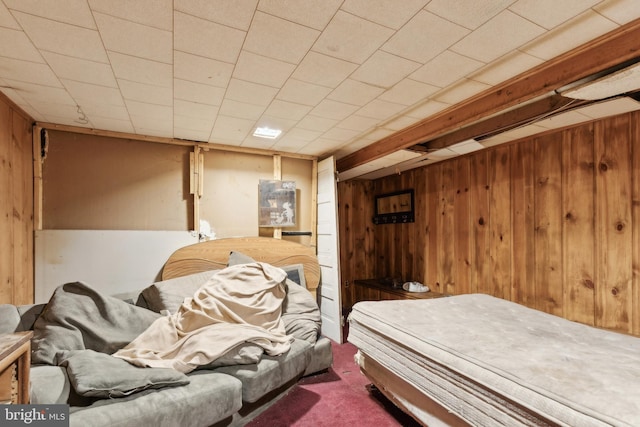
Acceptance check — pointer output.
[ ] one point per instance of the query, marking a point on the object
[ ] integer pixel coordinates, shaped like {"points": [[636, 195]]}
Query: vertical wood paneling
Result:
{"points": [[462, 227], [635, 215], [554, 223], [500, 223], [23, 209], [480, 219], [578, 235], [613, 224], [548, 223], [523, 280], [431, 227], [7, 253], [446, 260], [16, 205]]}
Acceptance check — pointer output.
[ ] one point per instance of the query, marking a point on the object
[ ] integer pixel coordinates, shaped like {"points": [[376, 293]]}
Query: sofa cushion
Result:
{"points": [[170, 294], [322, 357], [300, 313], [10, 318], [271, 372], [49, 385], [207, 399], [102, 375]]}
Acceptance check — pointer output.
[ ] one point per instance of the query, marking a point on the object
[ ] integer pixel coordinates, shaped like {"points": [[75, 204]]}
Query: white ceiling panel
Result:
{"points": [[424, 37], [336, 75]]}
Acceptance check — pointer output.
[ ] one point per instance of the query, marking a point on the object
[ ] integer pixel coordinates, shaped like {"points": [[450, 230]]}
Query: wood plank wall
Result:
{"points": [[16, 205], [551, 222]]}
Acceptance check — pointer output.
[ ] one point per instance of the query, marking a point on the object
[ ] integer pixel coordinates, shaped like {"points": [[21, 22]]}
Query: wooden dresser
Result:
{"points": [[15, 361], [376, 290]]}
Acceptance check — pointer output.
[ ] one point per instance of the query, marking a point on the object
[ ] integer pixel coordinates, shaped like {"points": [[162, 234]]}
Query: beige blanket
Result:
{"points": [[239, 304]]}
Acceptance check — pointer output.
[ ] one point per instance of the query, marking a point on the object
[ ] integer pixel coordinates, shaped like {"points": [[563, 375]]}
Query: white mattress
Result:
{"points": [[494, 362]]}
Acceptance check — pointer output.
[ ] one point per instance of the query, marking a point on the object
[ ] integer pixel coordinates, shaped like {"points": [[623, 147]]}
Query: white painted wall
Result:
{"points": [[110, 261]]}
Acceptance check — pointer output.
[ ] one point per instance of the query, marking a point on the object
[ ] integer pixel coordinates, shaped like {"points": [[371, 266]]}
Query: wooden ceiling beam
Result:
{"points": [[600, 54]]}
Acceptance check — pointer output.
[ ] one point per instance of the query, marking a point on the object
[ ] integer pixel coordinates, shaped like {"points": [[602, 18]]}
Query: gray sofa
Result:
{"points": [[225, 395]]}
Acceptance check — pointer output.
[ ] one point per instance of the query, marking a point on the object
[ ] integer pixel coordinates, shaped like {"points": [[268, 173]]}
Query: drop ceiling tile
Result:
{"points": [[384, 69], [201, 135], [41, 95], [445, 69], [310, 13], [28, 72], [562, 120], [279, 39], [251, 93], [505, 68], [288, 110], [106, 111], [330, 109], [317, 123], [381, 110], [230, 129], [579, 30], [62, 38], [619, 11], [357, 123], [512, 135], [152, 127], [427, 109], [153, 13], [130, 38], [355, 93], [351, 38], [236, 14], [146, 93], [197, 92], [610, 108], [6, 19], [141, 70], [466, 147], [502, 34], [207, 39], [85, 91], [408, 92], [298, 137], [384, 12], [319, 147], [323, 70], [202, 70], [80, 70], [195, 110], [551, 13], [74, 12], [241, 110], [260, 69], [461, 91], [304, 93], [400, 123], [152, 111], [15, 44], [468, 14], [343, 135], [112, 124], [376, 135], [424, 37]]}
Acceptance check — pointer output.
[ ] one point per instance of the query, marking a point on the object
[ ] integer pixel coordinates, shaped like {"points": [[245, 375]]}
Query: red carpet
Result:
{"points": [[339, 397]]}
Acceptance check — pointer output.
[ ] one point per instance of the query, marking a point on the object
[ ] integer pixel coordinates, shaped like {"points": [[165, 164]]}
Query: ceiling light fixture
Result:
{"points": [[266, 132]]}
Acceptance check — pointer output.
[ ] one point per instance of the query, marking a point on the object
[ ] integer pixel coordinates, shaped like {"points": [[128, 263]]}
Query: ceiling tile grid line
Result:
{"points": [[334, 75]]}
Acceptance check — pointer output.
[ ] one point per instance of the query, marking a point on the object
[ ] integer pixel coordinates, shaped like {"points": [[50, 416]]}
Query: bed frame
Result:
{"points": [[214, 254]]}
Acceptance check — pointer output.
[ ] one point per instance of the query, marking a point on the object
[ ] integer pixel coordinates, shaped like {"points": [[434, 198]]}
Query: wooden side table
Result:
{"points": [[15, 360], [375, 290]]}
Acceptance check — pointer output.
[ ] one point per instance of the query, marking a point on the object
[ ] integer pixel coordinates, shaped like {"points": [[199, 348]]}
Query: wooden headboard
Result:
{"points": [[214, 254]]}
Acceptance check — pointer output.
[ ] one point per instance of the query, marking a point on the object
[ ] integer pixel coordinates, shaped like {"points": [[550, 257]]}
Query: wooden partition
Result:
{"points": [[16, 205], [551, 222]]}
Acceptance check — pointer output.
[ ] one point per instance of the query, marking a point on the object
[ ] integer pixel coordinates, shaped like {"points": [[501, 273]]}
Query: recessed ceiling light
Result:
{"points": [[266, 132]]}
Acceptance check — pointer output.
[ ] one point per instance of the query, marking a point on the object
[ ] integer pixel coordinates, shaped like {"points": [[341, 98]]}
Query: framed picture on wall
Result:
{"points": [[277, 203]]}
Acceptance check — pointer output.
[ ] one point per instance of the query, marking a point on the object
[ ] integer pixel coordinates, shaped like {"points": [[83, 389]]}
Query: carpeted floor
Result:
{"points": [[339, 397]]}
